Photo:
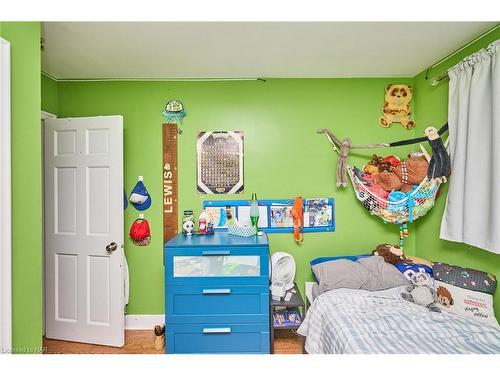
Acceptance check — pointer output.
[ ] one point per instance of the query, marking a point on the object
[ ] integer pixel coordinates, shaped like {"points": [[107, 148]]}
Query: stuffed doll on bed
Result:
{"points": [[422, 291]]}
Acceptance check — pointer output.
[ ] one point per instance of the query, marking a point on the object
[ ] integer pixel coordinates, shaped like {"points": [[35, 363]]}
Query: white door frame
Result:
{"points": [[43, 116], [5, 202]]}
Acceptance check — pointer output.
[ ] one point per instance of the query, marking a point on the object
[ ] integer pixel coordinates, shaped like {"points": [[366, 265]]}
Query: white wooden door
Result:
{"points": [[84, 229]]}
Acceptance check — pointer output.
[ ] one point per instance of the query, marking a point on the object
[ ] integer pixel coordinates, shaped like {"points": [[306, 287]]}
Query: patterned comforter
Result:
{"points": [[346, 321]]}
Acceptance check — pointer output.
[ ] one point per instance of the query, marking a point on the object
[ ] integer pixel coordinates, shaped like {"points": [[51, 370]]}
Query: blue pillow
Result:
{"points": [[409, 269], [353, 258]]}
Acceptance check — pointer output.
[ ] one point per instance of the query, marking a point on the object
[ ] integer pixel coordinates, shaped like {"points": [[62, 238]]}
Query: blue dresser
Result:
{"points": [[217, 294]]}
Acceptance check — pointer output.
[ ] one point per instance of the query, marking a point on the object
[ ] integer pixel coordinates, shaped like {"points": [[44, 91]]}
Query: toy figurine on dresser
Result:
{"points": [[205, 224], [202, 222], [188, 223]]}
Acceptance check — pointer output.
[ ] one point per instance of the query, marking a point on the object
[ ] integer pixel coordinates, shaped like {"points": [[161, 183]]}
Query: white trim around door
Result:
{"points": [[5, 203], [43, 116]]}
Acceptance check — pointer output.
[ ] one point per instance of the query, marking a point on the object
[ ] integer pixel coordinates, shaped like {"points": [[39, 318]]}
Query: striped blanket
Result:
{"points": [[345, 321]]}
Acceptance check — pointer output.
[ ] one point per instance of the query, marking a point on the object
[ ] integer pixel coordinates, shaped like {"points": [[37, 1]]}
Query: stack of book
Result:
{"points": [[287, 318]]}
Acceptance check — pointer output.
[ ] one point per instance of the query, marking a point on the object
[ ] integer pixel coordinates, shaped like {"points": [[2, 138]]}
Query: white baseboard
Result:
{"points": [[143, 321]]}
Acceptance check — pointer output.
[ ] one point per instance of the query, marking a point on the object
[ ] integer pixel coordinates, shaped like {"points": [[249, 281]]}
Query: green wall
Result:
{"points": [[49, 95], [432, 110], [284, 157], [24, 39]]}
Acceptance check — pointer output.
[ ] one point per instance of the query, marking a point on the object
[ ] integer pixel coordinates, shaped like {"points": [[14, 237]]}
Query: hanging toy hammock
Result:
{"points": [[399, 207], [409, 207]]}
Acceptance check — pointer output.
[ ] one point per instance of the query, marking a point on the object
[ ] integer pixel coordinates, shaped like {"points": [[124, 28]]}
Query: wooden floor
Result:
{"points": [[142, 342]]}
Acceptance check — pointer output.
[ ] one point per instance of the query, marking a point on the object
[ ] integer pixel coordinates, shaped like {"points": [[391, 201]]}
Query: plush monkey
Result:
{"points": [[344, 147], [391, 253], [342, 163], [422, 291], [439, 165]]}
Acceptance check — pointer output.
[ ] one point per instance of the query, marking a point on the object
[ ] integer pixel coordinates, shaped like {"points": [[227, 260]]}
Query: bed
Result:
{"points": [[348, 321]]}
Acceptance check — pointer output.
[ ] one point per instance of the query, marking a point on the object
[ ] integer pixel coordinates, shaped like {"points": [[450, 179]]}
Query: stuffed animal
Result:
{"points": [[411, 172], [370, 169], [439, 165], [394, 160], [378, 164], [422, 291], [359, 174], [344, 147], [342, 163], [391, 253], [373, 187], [388, 181], [397, 106]]}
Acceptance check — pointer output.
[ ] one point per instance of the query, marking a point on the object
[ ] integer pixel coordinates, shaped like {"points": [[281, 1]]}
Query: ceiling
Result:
{"points": [[163, 50]]}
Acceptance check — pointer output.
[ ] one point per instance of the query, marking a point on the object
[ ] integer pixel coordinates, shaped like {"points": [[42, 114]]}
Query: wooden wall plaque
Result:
{"points": [[170, 182]]}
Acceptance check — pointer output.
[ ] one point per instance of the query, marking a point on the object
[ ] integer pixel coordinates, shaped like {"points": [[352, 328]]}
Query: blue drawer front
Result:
{"points": [[228, 303], [261, 279], [223, 250], [217, 338]]}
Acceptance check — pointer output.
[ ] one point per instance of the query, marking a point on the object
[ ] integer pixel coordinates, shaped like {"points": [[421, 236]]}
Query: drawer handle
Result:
{"points": [[216, 291], [216, 330], [215, 252]]}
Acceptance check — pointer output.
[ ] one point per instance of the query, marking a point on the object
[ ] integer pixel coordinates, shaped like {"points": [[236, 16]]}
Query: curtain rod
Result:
{"points": [[124, 79], [439, 78]]}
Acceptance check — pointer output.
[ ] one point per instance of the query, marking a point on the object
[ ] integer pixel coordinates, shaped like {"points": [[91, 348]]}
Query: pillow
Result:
{"points": [[418, 260], [409, 269], [466, 278], [352, 258], [370, 273], [468, 303]]}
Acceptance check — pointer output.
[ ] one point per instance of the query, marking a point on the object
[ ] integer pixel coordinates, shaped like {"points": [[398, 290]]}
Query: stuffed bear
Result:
{"points": [[422, 291], [378, 164], [397, 106], [391, 253], [411, 172], [388, 181]]}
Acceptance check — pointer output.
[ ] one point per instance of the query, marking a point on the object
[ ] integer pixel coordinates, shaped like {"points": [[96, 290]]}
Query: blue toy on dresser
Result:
{"points": [[217, 294]]}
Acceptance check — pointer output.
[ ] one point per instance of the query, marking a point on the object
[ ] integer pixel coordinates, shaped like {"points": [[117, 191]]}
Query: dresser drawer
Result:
{"points": [[215, 266], [217, 338], [228, 303]]}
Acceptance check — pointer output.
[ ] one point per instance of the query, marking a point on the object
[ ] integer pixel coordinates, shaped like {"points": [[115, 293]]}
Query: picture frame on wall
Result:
{"points": [[219, 162]]}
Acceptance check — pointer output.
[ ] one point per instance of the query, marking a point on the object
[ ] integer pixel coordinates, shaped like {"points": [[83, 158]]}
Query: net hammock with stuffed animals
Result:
{"points": [[397, 207]]}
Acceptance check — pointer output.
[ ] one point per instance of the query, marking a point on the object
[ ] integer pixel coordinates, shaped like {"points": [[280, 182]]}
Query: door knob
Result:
{"points": [[111, 247]]}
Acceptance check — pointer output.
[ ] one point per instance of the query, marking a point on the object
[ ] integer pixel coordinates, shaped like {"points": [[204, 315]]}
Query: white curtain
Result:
{"points": [[472, 213]]}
